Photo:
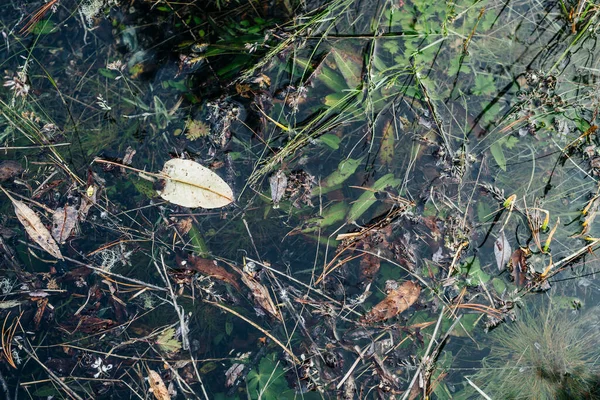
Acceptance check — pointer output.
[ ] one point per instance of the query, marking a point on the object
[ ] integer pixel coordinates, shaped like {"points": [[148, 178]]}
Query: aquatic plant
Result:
{"points": [[546, 354], [268, 381]]}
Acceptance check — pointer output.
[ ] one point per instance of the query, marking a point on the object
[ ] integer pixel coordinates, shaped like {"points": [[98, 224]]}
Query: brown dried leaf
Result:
{"points": [[518, 262], [63, 223], [34, 227], [261, 296], [369, 266], [212, 269], [184, 225], [396, 302], [157, 386], [9, 169]]}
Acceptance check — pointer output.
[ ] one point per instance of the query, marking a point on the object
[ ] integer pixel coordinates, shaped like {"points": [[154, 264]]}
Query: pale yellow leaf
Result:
{"points": [[189, 184], [34, 227], [157, 386]]}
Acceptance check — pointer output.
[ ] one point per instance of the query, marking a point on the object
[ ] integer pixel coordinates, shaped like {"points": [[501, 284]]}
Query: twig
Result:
{"points": [[102, 271], [42, 146], [51, 374], [426, 359], [481, 392]]}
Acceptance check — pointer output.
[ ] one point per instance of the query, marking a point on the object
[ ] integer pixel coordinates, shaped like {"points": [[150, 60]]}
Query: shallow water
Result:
{"points": [[396, 134]]}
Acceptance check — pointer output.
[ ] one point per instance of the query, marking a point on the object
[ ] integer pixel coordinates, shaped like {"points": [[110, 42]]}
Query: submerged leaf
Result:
{"points": [[261, 296], [168, 341], [189, 184], [386, 151], [34, 227], [345, 170], [63, 223], [278, 183], [349, 65], [212, 269], [368, 198], [502, 251], [157, 386], [397, 301], [498, 154]]}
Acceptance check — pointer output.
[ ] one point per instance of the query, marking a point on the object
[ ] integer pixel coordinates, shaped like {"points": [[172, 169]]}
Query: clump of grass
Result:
{"points": [[545, 354]]}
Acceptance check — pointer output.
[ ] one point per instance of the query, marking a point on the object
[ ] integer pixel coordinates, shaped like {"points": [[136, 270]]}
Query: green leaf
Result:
{"points": [[168, 342], [391, 46], [498, 154], [367, 199], [107, 73], [345, 170], [331, 215], [484, 84], [350, 68], [268, 381], [43, 27], [330, 140], [510, 142], [475, 275], [499, 286]]}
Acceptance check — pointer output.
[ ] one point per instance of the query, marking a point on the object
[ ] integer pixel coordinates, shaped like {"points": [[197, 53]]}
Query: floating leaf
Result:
{"points": [[157, 386], [189, 184], [63, 223], [397, 301], [34, 227]]}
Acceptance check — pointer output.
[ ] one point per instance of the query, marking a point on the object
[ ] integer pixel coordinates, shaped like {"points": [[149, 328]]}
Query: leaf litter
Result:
{"points": [[369, 187]]}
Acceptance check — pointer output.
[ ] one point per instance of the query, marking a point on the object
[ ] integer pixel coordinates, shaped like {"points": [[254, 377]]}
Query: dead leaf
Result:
{"points": [[189, 184], [212, 269], [278, 183], [395, 303], [518, 264], [63, 223], [502, 251], [157, 386], [9, 169], [369, 266], [34, 227], [233, 373], [183, 225], [261, 296]]}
